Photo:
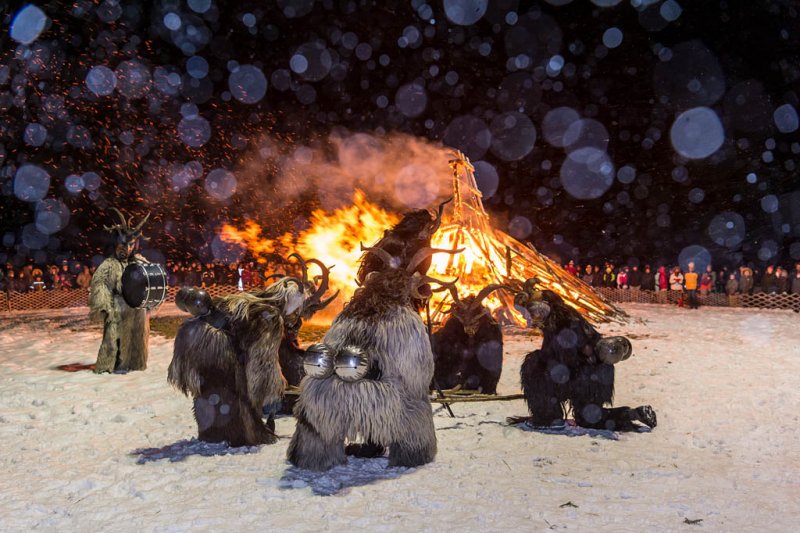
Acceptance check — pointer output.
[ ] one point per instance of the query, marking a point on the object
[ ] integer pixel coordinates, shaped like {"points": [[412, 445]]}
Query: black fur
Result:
{"points": [[566, 369], [224, 415], [402, 241], [472, 361]]}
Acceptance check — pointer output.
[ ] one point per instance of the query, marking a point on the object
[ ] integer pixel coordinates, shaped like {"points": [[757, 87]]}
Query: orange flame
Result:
{"points": [[333, 238]]}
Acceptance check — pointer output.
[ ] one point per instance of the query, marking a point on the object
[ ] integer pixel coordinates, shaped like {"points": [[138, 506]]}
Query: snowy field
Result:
{"points": [[86, 452]]}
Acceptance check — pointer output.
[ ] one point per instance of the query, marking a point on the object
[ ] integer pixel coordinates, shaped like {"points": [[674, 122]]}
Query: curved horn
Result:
{"points": [[385, 256], [138, 227], [303, 266], [486, 291], [424, 253], [438, 220], [323, 286], [324, 303], [420, 280], [446, 284], [123, 226]]}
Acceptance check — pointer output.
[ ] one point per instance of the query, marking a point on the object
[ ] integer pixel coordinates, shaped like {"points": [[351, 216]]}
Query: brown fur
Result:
{"points": [[126, 329]]}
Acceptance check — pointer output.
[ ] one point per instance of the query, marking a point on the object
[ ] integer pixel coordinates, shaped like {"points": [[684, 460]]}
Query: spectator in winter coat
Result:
{"points": [[65, 277], [622, 278], [676, 279], [648, 279], [707, 281], [207, 279], [731, 286], [588, 275], [690, 283], [796, 282], [782, 280], [597, 280], [769, 282], [609, 278], [635, 278], [38, 280], [746, 281], [732, 289], [84, 279], [571, 268], [662, 279]]}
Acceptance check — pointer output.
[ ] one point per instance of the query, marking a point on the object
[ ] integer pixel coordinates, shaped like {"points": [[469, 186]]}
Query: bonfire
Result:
{"points": [[489, 256]]}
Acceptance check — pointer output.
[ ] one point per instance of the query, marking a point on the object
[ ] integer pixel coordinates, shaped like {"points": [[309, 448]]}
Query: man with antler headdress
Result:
{"points": [[125, 329]]}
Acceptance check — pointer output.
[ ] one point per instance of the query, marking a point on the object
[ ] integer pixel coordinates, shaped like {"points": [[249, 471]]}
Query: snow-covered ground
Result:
{"points": [[86, 452]]}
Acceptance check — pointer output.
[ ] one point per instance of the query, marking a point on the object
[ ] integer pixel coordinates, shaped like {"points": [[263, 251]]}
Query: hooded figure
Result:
{"points": [[125, 329]]}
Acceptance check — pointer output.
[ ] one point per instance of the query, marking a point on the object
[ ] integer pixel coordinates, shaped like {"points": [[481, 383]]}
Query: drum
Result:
{"points": [[144, 285]]}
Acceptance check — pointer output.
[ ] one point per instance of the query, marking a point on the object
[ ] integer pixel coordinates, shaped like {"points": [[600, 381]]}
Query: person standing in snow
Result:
{"points": [[125, 329]]}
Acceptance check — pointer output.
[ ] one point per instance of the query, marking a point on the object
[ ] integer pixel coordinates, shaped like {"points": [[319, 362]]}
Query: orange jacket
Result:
{"points": [[690, 281]]}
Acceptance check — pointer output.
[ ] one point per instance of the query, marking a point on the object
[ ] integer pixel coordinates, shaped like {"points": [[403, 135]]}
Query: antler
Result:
{"points": [[303, 266], [454, 294], [123, 226], [438, 220], [138, 227], [424, 253]]}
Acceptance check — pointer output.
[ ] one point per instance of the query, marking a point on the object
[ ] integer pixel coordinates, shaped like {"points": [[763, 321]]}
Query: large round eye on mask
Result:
{"points": [[318, 361], [352, 363]]}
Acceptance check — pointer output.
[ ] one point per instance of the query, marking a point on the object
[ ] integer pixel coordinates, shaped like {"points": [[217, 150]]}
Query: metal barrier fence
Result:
{"points": [[58, 299]]}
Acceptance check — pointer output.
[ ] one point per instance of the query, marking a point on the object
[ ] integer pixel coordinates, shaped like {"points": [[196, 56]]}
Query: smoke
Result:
{"points": [[397, 171]]}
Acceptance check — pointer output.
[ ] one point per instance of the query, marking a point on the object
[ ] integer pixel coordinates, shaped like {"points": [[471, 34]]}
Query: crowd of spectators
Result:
{"points": [[742, 280], [250, 275], [76, 275], [33, 277]]}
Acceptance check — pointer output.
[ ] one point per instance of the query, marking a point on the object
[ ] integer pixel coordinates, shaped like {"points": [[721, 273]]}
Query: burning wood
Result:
{"points": [[492, 256]]}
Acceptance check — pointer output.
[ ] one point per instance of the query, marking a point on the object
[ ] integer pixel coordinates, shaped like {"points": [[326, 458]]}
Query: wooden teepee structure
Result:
{"points": [[491, 256]]}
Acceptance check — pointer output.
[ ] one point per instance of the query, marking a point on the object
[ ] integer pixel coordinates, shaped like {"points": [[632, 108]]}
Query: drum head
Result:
{"points": [[134, 285]]}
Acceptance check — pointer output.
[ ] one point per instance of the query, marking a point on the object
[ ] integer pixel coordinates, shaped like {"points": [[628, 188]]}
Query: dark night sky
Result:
{"points": [[688, 140]]}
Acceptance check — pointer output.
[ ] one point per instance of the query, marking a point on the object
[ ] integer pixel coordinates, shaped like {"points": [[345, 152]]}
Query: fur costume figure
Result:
{"points": [[125, 329], [402, 241], [290, 353], [226, 357], [373, 382], [469, 346], [575, 364]]}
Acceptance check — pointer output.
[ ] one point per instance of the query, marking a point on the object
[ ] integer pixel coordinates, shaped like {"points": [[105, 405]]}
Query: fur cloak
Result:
{"points": [[231, 372], [391, 406], [125, 329]]}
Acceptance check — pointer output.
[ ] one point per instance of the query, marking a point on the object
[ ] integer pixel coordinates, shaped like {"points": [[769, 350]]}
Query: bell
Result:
{"points": [[612, 350], [352, 363], [198, 302], [318, 361]]}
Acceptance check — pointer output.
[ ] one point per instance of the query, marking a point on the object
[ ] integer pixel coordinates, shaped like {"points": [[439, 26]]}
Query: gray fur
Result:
{"points": [[126, 329], [392, 411]]}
